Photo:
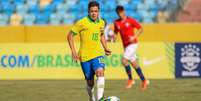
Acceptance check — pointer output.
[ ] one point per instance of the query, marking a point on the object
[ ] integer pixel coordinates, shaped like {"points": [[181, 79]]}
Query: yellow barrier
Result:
{"points": [[47, 33], [152, 32], [53, 61], [12, 34], [172, 32], [39, 52]]}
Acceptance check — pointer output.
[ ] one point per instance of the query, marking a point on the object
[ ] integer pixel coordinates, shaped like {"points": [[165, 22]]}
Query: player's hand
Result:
{"points": [[114, 37], [75, 57], [108, 52], [132, 38]]}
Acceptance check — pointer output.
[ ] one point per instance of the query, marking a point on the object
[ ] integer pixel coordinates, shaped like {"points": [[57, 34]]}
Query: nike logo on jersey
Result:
{"points": [[127, 24]]}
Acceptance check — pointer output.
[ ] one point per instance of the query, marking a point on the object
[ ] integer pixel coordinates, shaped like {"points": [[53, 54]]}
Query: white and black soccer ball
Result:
{"points": [[112, 98]]}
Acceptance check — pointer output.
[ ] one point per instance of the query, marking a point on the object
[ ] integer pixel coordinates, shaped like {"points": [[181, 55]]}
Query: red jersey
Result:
{"points": [[126, 29]]}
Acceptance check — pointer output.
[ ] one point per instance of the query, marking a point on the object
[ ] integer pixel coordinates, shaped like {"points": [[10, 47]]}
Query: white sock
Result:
{"points": [[90, 91], [100, 87]]}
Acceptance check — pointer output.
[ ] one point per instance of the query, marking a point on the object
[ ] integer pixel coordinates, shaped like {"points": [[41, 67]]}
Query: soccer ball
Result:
{"points": [[112, 98]]}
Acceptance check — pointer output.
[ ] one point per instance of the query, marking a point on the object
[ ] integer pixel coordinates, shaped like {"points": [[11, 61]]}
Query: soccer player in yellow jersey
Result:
{"points": [[91, 53]]}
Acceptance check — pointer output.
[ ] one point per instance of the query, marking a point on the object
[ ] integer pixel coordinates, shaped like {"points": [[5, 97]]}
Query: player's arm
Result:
{"points": [[74, 31], [104, 44], [75, 56], [138, 26], [116, 31], [139, 32], [136, 35]]}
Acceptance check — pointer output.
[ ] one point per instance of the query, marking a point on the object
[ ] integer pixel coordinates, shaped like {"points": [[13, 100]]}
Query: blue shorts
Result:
{"points": [[89, 67]]}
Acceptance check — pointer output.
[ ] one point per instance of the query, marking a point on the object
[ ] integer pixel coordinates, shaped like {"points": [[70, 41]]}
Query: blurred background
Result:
{"points": [[57, 12], [33, 47]]}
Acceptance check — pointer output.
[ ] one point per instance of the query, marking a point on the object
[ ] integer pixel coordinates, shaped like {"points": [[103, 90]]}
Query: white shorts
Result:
{"points": [[130, 52]]}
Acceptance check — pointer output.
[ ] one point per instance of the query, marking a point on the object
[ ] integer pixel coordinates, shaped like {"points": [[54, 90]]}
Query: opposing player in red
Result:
{"points": [[125, 26]]}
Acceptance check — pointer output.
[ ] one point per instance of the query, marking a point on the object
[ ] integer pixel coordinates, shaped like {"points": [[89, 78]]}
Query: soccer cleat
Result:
{"points": [[129, 84], [145, 84], [102, 99]]}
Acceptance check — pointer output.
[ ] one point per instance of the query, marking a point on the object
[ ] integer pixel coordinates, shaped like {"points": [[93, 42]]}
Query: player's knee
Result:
{"points": [[125, 62], [100, 72], [134, 64], [90, 83]]}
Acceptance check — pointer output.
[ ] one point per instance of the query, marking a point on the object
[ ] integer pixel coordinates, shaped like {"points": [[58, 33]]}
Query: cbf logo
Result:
{"points": [[188, 59]]}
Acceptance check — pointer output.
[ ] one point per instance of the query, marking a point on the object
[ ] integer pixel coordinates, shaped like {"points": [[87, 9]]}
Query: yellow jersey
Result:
{"points": [[90, 35]]}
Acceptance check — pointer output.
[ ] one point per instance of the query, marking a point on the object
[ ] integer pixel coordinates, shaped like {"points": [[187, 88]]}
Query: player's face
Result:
{"points": [[121, 14], [94, 13]]}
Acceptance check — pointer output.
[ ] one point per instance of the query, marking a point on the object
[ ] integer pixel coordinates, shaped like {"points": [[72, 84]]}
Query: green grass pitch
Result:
{"points": [[74, 90]]}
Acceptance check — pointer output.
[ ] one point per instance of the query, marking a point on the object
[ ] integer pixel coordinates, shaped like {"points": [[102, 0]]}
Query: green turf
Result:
{"points": [[74, 90]]}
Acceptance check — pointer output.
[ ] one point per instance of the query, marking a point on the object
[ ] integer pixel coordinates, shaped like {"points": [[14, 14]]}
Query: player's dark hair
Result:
{"points": [[119, 8], [93, 4]]}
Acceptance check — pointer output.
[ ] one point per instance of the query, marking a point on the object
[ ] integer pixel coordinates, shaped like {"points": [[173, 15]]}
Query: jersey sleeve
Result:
{"points": [[77, 28], [135, 23], [103, 25]]}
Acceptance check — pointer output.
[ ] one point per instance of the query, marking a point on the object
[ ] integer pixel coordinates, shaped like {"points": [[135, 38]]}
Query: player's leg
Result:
{"points": [[125, 62], [90, 89], [98, 66], [128, 70], [138, 70], [145, 82], [100, 83], [132, 49], [89, 77], [130, 53]]}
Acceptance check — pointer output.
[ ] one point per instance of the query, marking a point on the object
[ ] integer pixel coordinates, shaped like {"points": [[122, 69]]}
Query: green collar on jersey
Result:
{"points": [[91, 20]]}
